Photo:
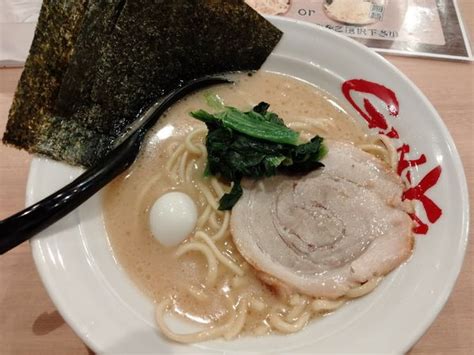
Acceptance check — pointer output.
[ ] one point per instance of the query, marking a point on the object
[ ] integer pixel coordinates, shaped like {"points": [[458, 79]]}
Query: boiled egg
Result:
{"points": [[172, 218]]}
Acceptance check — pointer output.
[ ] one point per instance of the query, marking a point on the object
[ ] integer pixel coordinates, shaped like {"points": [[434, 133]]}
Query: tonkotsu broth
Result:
{"points": [[155, 269]]}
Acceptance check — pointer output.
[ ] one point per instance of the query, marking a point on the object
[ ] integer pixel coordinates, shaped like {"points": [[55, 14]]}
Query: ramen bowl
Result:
{"points": [[97, 299]]}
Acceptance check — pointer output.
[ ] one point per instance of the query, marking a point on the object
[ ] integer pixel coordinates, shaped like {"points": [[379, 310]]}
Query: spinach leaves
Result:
{"points": [[254, 144]]}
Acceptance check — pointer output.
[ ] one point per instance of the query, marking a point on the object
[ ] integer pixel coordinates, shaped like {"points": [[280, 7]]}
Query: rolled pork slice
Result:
{"points": [[328, 231]]}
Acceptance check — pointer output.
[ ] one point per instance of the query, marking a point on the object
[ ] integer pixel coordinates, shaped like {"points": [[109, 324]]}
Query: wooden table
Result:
{"points": [[29, 322]]}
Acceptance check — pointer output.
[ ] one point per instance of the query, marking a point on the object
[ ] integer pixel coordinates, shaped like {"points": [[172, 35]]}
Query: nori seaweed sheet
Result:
{"points": [[30, 117], [128, 57], [100, 18]]}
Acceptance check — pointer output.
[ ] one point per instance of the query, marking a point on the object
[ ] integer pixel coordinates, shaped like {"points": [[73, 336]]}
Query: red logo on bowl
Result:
{"points": [[377, 120]]}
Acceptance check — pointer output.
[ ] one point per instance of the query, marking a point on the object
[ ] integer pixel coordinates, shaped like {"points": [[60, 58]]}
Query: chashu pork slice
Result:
{"points": [[328, 231]]}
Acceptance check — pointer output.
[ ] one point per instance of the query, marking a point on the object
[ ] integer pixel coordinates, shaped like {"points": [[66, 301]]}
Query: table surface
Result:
{"points": [[29, 322]]}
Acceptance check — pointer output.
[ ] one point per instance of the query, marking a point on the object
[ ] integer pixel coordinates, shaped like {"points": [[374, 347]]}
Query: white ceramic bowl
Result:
{"points": [[109, 313]]}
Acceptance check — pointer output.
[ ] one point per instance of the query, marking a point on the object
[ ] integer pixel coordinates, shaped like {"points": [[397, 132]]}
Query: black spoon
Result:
{"points": [[25, 224]]}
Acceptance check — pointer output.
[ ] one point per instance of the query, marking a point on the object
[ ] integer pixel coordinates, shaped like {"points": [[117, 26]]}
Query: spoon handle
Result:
{"points": [[25, 224]]}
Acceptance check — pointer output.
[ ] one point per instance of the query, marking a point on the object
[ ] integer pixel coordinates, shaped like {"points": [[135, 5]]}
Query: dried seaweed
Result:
{"points": [[30, 115], [130, 56]]}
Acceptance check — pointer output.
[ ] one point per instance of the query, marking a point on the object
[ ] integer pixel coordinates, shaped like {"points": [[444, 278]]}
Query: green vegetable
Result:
{"points": [[214, 101], [266, 126], [230, 199], [254, 144]]}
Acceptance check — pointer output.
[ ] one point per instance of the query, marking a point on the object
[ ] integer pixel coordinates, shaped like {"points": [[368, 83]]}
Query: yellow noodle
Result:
{"points": [[225, 261], [323, 305], [208, 195], [296, 311], [298, 126], [316, 123], [146, 190], [171, 148], [276, 322], [174, 157], [295, 300], [204, 217], [203, 149], [217, 187], [281, 308], [363, 289], [239, 321], [305, 119], [377, 151], [182, 165], [211, 259], [224, 227], [257, 305], [392, 152], [189, 171], [190, 146], [384, 146], [213, 220], [323, 126], [174, 171], [208, 334], [219, 213]]}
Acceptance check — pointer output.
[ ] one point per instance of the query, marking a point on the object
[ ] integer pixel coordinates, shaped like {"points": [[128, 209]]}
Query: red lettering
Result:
{"points": [[392, 133], [420, 227], [433, 212], [404, 163], [374, 118]]}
